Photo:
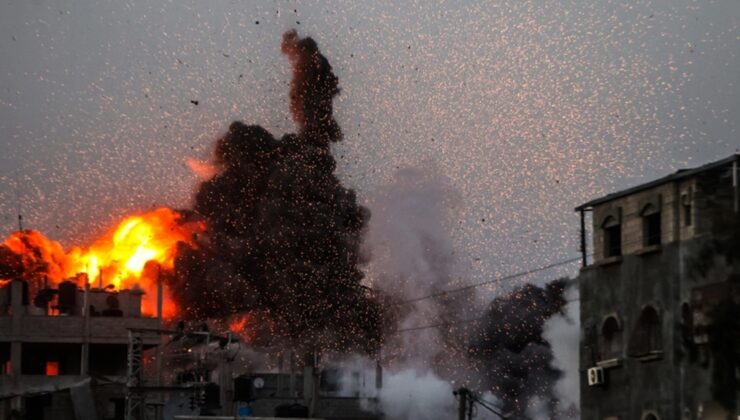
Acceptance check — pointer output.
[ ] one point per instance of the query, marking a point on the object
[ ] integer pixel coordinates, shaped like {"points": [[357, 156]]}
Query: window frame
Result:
{"points": [[652, 221], [646, 340], [611, 229], [607, 350]]}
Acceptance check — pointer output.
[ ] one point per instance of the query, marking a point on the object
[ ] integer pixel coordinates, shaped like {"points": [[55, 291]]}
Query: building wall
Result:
{"points": [[624, 289], [669, 196], [676, 383], [76, 345]]}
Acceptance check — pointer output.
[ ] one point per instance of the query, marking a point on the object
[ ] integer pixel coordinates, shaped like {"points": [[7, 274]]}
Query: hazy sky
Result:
{"points": [[527, 108]]}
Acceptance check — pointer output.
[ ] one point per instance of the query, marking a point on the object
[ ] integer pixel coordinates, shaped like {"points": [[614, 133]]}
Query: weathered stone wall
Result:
{"points": [[674, 384]]}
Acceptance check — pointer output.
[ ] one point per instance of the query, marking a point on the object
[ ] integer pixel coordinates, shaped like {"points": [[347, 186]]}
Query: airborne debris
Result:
{"points": [[283, 233]]}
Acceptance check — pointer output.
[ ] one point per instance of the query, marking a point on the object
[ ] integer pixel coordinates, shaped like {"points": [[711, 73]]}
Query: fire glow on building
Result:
{"points": [[134, 254]]}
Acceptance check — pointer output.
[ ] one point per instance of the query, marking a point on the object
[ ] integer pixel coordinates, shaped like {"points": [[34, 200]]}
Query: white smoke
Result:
{"points": [[407, 394], [412, 255], [563, 332], [413, 396]]}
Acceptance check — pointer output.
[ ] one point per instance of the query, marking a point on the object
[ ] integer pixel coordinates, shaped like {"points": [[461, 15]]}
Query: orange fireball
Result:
{"points": [[136, 253]]}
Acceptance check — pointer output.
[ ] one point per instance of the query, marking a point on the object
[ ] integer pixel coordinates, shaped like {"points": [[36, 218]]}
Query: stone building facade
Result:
{"points": [[663, 281]]}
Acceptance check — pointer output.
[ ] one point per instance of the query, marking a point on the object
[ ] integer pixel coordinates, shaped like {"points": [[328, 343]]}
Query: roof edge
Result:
{"points": [[679, 174]]}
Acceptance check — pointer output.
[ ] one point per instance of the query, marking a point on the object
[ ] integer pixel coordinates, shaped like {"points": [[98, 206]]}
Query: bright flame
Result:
{"points": [[239, 325], [136, 253]]}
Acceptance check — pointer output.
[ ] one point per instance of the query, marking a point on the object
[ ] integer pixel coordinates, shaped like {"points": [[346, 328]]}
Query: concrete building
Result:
{"points": [[307, 387], [660, 299], [63, 354]]}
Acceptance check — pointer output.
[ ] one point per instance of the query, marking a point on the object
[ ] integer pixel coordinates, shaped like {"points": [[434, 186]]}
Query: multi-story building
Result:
{"points": [[660, 299], [63, 352], [68, 353]]}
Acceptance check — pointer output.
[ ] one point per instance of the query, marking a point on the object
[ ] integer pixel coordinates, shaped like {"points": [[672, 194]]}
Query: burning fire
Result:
{"points": [[135, 253], [240, 325]]}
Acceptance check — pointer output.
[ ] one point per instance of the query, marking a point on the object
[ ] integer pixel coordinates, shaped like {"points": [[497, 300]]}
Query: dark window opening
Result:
{"points": [[651, 225], [50, 359], [612, 237], [611, 334], [687, 214], [646, 338], [117, 408], [108, 359], [38, 407], [5, 366], [652, 229], [686, 202], [687, 331]]}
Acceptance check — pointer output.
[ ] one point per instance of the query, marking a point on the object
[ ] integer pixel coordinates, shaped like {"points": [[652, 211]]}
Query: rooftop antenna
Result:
{"points": [[18, 203]]}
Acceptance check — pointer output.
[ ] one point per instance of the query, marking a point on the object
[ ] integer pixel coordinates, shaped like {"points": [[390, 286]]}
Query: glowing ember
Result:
{"points": [[239, 325], [204, 170], [135, 253]]}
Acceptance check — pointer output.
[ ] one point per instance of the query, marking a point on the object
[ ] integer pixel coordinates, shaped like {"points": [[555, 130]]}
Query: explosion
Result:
{"points": [[137, 253], [282, 249], [283, 240]]}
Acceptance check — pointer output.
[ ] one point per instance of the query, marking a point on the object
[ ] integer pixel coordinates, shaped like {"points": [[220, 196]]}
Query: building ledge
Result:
{"points": [[609, 363], [609, 261], [649, 357], [652, 249]]}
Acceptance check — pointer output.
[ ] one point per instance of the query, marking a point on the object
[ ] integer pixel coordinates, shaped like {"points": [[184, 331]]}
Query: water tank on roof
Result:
{"points": [[67, 297]]}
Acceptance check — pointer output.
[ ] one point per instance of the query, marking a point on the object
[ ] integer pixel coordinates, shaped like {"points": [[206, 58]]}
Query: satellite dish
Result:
{"points": [[258, 383]]}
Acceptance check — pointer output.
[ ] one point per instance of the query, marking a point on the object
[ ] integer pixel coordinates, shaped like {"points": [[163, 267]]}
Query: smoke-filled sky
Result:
{"points": [[525, 108]]}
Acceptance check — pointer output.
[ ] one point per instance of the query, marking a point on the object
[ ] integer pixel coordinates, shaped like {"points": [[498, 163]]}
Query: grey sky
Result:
{"points": [[528, 107]]}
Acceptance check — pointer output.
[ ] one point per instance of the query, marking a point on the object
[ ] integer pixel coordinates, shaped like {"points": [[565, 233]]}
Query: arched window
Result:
{"points": [[646, 338], [612, 231], [651, 231], [611, 336], [650, 416]]}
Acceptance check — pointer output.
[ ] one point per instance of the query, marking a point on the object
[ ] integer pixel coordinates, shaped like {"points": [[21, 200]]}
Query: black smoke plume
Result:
{"points": [[11, 264], [283, 233], [511, 352]]}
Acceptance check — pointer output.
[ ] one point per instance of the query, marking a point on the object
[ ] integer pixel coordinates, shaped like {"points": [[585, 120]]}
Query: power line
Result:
{"points": [[441, 324], [496, 280], [459, 321], [484, 404]]}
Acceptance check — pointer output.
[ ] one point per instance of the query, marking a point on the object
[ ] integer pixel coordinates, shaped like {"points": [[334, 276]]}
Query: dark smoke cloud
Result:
{"points": [[511, 352], [312, 90], [11, 264], [283, 233]]}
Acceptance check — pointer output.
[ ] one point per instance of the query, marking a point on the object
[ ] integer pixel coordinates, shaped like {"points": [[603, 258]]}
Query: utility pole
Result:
{"points": [[18, 203], [584, 261], [462, 395]]}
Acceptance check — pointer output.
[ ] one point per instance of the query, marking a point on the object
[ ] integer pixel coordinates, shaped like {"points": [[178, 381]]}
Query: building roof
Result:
{"points": [[680, 174]]}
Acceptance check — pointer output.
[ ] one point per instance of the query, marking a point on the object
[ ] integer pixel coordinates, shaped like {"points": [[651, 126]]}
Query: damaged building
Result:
{"points": [[660, 299], [63, 351], [90, 354]]}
